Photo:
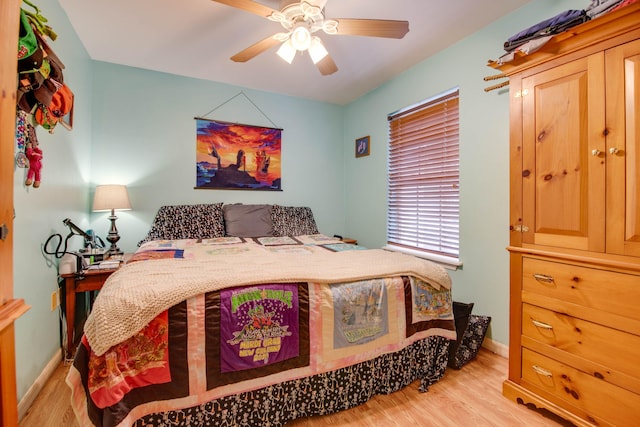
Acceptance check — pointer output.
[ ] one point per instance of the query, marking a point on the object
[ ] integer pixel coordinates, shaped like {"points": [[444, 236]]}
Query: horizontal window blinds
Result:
{"points": [[423, 200]]}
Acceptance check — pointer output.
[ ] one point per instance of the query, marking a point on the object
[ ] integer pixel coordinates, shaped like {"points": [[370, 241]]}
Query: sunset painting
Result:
{"points": [[235, 156]]}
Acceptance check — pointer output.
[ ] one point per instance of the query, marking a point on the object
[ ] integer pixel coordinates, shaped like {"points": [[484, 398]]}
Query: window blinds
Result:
{"points": [[423, 177]]}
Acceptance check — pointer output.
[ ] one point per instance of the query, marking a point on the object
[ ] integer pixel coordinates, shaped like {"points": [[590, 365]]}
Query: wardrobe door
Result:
{"points": [[10, 308], [623, 149], [563, 177]]}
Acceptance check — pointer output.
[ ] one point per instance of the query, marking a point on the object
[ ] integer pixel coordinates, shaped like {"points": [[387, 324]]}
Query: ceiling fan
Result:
{"points": [[301, 19]]}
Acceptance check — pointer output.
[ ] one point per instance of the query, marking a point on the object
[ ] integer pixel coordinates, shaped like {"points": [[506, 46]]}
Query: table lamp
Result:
{"points": [[110, 198]]}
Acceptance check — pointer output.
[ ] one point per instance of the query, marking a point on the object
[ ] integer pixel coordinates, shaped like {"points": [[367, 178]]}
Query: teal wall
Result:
{"points": [[144, 136], [136, 127], [484, 157], [40, 211]]}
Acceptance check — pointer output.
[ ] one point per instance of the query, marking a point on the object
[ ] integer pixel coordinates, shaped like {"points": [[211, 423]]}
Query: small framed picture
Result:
{"points": [[363, 146]]}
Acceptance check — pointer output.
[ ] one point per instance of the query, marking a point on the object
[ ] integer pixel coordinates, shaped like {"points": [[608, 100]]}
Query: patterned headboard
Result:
{"points": [[292, 221], [187, 222], [206, 221]]}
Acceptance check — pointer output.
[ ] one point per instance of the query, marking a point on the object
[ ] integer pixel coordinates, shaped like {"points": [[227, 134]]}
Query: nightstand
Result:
{"points": [[88, 280]]}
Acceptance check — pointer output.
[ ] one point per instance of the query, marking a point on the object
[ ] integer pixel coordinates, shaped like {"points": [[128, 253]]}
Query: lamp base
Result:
{"points": [[114, 250], [113, 236]]}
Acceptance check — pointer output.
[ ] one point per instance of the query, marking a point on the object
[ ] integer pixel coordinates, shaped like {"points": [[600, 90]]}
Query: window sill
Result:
{"points": [[447, 262]]}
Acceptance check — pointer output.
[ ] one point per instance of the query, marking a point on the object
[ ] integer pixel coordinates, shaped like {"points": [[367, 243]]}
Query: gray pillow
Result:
{"points": [[248, 220]]}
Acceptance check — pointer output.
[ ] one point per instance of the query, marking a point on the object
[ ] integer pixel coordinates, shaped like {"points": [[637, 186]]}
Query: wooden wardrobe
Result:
{"points": [[575, 223], [10, 308]]}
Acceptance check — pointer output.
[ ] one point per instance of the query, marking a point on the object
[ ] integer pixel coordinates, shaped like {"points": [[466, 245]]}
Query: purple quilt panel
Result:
{"points": [[258, 326]]}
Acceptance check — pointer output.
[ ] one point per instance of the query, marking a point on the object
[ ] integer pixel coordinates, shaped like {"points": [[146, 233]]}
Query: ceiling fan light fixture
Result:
{"points": [[330, 26], [310, 11], [301, 37], [287, 51], [317, 51], [303, 18]]}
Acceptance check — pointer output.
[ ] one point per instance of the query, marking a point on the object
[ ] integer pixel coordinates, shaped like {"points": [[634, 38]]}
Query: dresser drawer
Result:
{"points": [[588, 397], [601, 290], [606, 353]]}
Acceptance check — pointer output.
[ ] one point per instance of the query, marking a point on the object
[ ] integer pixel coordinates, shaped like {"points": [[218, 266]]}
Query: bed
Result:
{"points": [[246, 315]]}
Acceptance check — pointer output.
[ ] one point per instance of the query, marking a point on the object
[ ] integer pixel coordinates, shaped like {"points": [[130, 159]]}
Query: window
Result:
{"points": [[424, 172]]}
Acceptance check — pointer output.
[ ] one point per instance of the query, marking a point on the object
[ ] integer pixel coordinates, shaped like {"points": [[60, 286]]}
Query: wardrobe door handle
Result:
{"points": [[614, 150], [543, 278], [542, 371], [541, 325], [4, 232]]}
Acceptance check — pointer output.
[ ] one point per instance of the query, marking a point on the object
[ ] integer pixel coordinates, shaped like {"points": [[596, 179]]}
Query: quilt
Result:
{"points": [[255, 314]]}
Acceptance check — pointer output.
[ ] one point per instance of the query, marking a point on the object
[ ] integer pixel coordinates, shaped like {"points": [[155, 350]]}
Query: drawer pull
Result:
{"points": [[543, 278], [541, 325], [542, 371]]}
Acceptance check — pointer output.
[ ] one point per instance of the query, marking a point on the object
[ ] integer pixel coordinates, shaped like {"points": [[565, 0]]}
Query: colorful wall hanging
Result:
{"points": [[237, 156]]}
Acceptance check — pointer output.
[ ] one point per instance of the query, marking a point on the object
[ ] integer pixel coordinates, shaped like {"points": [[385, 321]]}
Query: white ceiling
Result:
{"points": [[196, 38]]}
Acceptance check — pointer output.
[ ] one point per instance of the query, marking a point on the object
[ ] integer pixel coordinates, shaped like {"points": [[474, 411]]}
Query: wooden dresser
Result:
{"points": [[575, 223]]}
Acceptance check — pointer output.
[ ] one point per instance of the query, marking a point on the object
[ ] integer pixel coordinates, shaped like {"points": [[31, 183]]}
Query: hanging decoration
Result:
{"points": [[43, 99], [237, 156], [24, 129]]}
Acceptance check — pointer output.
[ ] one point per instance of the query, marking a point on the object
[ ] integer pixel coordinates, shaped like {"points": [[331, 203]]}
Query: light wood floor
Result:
{"points": [[467, 397]]}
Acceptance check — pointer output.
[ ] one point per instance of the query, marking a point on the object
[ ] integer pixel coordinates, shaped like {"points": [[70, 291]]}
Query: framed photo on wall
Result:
{"points": [[363, 146]]}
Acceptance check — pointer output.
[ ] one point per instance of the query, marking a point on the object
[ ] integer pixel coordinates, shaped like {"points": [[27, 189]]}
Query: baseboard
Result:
{"points": [[35, 389], [496, 347]]}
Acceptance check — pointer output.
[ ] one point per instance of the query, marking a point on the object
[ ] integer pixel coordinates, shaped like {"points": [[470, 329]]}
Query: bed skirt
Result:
{"points": [[321, 394]]}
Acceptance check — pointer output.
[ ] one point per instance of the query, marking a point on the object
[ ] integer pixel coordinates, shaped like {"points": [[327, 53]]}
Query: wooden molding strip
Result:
{"points": [[10, 311], [32, 393], [620, 262]]}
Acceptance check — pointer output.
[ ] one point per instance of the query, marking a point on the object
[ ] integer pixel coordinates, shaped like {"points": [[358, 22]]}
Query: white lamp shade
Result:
{"points": [[287, 51], [301, 38], [317, 51], [109, 197]]}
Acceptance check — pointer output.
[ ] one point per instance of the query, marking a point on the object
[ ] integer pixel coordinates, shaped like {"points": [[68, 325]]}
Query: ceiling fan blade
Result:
{"points": [[255, 49], [249, 6], [373, 27], [327, 66]]}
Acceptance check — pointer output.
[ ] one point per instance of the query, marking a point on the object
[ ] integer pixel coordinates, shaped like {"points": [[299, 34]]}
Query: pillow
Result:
{"points": [[461, 313], [471, 341], [292, 221], [203, 221], [248, 220]]}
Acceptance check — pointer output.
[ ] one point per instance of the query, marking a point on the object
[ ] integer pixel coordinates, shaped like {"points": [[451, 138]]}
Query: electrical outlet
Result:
{"points": [[55, 299]]}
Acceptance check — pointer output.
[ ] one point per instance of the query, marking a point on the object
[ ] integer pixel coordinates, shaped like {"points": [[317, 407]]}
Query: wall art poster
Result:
{"points": [[258, 326], [236, 156]]}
